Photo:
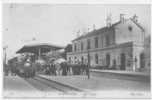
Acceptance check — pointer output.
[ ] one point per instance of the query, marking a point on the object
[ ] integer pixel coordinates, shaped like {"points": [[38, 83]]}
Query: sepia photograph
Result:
{"points": [[76, 50]]}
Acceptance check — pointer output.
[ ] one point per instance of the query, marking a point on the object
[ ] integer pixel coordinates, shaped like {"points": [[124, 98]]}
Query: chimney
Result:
{"points": [[108, 20], [122, 19], [135, 18], [78, 33]]}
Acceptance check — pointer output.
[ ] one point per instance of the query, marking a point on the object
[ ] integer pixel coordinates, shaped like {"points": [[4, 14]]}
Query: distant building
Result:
{"points": [[120, 44]]}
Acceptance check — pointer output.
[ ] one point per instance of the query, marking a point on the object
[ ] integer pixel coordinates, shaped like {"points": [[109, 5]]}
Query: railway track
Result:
{"points": [[46, 85]]}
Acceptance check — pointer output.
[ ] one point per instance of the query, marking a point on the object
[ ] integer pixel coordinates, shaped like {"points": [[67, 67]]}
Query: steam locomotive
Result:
{"points": [[25, 70]]}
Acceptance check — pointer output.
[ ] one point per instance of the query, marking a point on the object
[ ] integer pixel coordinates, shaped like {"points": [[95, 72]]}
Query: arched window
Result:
{"points": [[108, 60], [75, 59], [96, 58]]}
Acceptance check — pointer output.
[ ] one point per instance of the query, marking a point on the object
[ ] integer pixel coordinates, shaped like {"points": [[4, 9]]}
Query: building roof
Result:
{"points": [[98, 31], [138, 24], [33, 48], [122, 45], [104, 29]]}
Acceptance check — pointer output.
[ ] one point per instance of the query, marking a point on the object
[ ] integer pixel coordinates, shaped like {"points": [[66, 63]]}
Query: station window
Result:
{"points": [[96, 42], [81, 45], [88, 44], [130, 28], [75, 47], [102, 42], [107, 40], [70, 59]]}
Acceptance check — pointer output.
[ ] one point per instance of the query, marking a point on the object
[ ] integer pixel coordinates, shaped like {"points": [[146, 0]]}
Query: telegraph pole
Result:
{"points": [[5, 68], [5, 55]]}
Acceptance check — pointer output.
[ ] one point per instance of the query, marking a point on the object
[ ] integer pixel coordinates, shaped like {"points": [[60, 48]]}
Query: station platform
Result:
{"points": [[82, 82], [131, 73]]}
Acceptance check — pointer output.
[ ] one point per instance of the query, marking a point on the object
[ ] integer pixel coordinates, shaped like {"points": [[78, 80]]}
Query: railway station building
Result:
{"points": [[118, 45]]}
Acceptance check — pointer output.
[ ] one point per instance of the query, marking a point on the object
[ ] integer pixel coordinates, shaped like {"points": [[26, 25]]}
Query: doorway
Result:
{"points": [[107, 60], [123, 61], [142, 60]]}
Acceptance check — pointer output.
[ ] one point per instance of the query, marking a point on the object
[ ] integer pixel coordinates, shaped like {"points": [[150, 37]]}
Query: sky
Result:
{"points": [[59, 23]]}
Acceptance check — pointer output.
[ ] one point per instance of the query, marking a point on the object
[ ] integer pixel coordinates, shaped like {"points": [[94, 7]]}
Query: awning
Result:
{"points": [[34, 48]]}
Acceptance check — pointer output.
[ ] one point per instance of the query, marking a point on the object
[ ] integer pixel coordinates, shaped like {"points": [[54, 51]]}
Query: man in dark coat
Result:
{"points": [[88, 71], [53, 69], [64, 68]]}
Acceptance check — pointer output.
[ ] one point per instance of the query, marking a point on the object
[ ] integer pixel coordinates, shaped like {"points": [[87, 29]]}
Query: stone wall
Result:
{"points": [[114, 52]]}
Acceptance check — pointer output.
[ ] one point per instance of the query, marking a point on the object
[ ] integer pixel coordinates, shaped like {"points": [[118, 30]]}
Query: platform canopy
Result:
{"points": [[39, 48]]}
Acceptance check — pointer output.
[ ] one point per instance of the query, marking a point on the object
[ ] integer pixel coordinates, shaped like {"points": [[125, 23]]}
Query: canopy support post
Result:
{"points": [[39, 55]]}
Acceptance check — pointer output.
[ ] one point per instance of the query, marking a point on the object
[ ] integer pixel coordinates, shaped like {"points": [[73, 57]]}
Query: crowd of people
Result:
{"points": [[52, 68], [65, 68]]}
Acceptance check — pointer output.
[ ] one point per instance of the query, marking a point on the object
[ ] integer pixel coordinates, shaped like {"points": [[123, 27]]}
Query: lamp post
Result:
{"points": [[39, 53], [88, 66]]}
